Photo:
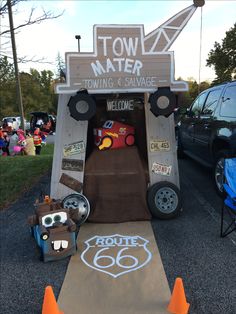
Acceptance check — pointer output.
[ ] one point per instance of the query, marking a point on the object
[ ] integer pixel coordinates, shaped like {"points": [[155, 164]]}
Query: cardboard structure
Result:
{"points": [[128, 78]]}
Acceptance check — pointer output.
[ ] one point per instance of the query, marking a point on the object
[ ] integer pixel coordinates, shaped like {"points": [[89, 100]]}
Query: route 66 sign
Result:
{"points": [[116, 254]]}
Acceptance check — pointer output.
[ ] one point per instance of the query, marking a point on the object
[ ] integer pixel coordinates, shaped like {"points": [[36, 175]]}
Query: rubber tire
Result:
{"points": [[157, 212], [91, 106], [221, 154], [153, 100]]}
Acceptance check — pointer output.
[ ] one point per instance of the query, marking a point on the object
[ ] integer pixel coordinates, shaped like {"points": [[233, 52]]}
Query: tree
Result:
{"points": [[37, 90], [7, 88], [33, 18], [223, 57], [60, 69]]}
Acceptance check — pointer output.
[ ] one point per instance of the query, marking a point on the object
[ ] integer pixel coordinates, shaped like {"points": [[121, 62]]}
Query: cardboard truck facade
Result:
{"points": [[128, 78]]}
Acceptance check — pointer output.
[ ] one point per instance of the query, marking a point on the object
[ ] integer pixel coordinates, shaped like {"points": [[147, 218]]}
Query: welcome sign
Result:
{"points": [[126, 60]]}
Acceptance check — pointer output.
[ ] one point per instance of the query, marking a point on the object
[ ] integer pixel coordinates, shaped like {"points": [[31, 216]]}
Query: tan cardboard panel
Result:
{"points": [[117, 269]]}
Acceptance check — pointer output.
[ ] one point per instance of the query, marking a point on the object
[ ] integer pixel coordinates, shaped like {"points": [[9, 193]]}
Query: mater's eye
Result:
{"points": [[57, 218], [48, 221]]}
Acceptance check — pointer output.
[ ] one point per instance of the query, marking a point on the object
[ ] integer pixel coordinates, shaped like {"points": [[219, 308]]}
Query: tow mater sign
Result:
{"points": [[127, 60]]}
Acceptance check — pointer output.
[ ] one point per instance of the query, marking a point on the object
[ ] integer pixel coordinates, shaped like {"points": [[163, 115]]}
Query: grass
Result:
{"points": [[19, 173]]}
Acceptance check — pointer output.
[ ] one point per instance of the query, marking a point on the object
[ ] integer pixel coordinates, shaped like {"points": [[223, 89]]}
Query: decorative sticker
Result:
{"points": [[161, 169], [116, 254], [74, 148], [159, 145]]}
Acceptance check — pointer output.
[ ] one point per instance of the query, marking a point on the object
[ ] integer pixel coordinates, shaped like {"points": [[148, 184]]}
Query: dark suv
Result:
{"points": [[207, 132]]}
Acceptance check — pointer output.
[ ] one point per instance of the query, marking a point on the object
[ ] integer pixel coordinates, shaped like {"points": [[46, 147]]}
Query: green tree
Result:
{"points": [[223, 57], [7, 88], [37, 90], [60, 75]]}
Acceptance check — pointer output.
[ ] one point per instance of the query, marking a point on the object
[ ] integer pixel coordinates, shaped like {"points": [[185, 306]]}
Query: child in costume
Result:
{"points": [[19, 148], [37, 141], [29, 147]]}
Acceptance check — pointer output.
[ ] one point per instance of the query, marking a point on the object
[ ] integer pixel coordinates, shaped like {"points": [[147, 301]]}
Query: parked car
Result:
{"points": [[48, 124], [207, 132], [14, 123]]}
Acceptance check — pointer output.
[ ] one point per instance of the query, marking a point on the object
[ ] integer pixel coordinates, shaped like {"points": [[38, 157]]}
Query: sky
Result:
{"points": [[57, 36]]}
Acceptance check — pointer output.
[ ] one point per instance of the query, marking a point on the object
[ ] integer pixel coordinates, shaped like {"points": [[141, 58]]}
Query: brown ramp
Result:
{"points": [[117, 269]]}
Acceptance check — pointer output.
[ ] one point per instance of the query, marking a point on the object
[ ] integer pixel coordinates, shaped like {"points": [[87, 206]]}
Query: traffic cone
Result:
{"points": [[49, 302], [178, 303]]}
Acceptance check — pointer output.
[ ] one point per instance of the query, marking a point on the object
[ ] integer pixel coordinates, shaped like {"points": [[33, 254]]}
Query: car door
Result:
{"points": [[204, 125], [188, 123]]}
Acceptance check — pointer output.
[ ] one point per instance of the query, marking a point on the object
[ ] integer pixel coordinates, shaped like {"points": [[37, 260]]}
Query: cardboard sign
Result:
{"points": [[161, 169], [126, 60], [71, 182], [74, 148], [158, 145], [120, 105]]}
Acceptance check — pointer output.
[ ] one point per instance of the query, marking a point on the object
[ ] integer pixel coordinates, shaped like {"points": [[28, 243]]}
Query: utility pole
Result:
{"points": [[18, 87]]}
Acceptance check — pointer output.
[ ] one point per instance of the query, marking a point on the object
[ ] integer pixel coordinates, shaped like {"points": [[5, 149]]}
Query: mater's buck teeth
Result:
{"points": [[64, 244], [60, 243]]}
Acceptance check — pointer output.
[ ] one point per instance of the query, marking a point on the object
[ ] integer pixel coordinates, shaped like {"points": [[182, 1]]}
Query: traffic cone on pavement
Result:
{"points": [[178, 303], [49, 302]]}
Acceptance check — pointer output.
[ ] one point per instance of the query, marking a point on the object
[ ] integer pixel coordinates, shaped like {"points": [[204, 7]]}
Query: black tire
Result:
{"points": [[87, 109], [170, 102], [218, 172], [164, 200]]}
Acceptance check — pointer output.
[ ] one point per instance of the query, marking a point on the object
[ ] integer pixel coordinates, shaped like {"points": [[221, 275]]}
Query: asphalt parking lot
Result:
{"points": [[190, 247]]}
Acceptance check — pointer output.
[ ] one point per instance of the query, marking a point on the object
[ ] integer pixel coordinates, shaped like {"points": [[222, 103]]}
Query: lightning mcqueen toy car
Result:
{"points": [[114, 134]]}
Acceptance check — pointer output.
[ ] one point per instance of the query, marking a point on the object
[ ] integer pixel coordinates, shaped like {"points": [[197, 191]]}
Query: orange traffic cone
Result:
{"points": [[49, 302], [178, 303]]}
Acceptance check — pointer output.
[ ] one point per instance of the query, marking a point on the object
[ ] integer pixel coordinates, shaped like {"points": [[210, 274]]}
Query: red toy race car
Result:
{"points": [[114, 134]]}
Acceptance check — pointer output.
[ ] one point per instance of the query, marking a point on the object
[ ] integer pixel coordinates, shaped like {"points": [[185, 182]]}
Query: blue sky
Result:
{"points": [[58, 36]]}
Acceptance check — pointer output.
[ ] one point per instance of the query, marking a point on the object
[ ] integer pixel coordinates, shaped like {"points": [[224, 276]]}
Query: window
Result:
{"points": [[228, 106], [197, 105], [211, 102], [108, 124]]}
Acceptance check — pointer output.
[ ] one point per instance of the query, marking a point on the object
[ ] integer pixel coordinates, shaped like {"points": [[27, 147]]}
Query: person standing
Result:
{"points": [[37, 141], [5, 148]]}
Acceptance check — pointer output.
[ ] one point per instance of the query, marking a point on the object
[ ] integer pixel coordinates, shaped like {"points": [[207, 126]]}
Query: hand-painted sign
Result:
{"points": [[116, 254], [161, 169], [71, 182], [74, 148], [120, 104], [126, 60], [158, 145]]}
